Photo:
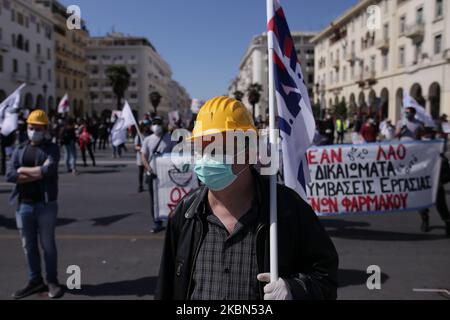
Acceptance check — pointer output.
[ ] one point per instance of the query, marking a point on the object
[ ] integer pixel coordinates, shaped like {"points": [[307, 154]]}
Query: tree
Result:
{"points": [[119, 78], [155, 99], [254, 95], [238, 95]]}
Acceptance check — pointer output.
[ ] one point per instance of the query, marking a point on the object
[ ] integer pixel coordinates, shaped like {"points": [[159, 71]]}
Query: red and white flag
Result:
{"points": [[64, 105]]}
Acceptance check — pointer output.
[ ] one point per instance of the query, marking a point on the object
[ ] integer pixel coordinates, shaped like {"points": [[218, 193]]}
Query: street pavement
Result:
{"points": [[104, 228]]}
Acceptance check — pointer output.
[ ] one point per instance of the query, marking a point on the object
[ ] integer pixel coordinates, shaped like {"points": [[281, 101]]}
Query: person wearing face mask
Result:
{"points": [[158, 143], [217, 239], [409, 128], [33, 169]]}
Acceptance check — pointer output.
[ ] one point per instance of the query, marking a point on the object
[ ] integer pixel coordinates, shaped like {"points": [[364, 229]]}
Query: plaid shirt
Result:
{"points": [[226, 266]]}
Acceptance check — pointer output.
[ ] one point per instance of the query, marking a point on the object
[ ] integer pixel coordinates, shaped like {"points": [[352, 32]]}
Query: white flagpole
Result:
{"points": [[273, 151]]}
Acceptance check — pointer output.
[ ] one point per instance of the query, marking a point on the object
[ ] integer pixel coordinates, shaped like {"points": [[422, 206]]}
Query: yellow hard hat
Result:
{"points": [[38, 117], [222, 114]]}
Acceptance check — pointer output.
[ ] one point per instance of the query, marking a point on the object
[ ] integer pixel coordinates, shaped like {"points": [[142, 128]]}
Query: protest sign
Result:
{"points": [[374, 178], [176, 178]]}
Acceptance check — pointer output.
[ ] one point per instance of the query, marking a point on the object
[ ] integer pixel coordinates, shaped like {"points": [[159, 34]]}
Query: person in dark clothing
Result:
{"points": [[217, 240], [93, 129], [68, 139], [6, 142], [441, 201], [329, 129], [34, 171]]}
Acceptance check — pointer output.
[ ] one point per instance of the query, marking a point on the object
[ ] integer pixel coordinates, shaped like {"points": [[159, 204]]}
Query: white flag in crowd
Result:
{"points": [[422, 114], [296, 121], [64, 105], [9, 112], [124, 121]]}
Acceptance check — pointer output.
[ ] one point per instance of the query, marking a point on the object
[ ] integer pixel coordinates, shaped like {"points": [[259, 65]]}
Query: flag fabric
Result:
{"points": [[421, 115], [9, 112], [119, 131], [296, 120], [64, 105]]}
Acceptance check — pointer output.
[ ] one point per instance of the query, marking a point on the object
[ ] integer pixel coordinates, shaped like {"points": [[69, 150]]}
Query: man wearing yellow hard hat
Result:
{"points": [[217, 241], [34, 170]]}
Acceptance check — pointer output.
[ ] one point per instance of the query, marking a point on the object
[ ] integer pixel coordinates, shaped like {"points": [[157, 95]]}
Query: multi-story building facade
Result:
{"points": [[254, 68], [367, 57], [27, 53], [179, 97], [149, 72], [70, 59]]}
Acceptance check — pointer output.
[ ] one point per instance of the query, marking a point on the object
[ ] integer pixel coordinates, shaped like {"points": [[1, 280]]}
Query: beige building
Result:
{"points": [[70, 59], [26, 53], [377, 49], [149, 72], [254, 68]]}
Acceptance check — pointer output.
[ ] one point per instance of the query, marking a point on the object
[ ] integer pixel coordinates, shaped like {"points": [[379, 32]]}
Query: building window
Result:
{"points": [[401, 56], [439, 8], [372, 63], [13, 15], [386, 31], [402, 24], [417, 53], [1, 63], [419, 16], [39, 70], [49, 75], [38, 27], [38, 49], [15, 66], [438, 44], [49, 54], [385, 58]]}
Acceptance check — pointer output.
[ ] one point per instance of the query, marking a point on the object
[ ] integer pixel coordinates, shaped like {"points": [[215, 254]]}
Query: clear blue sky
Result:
{"points": [[202, 40]]}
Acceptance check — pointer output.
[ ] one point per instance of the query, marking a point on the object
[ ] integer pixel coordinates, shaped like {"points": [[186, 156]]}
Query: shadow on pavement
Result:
{"points": [[139, 287], [10, 223], [109, 220], [347, 278], [342, 224], [83, 172], [352, 230], [360, 234]]}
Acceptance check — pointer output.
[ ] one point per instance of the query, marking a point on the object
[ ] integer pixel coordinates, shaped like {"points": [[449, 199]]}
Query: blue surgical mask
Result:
{"points": [[216, 175], [35, 136]]}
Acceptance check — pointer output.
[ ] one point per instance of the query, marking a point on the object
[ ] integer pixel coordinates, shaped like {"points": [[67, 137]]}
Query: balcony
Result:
{"points": [[360, 80], [370, 77], [336, 63], [447, 54], [350, 57], [4, 46], [23, 78], [415, 32], [382, 45]]}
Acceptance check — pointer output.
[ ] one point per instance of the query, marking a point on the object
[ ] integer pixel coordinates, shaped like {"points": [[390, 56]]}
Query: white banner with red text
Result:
{"points": [[175, 179], [374, 178]]}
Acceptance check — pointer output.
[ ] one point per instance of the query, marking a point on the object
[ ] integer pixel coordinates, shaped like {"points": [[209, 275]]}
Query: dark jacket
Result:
{"points": [[307, 258], [49, 185]]}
